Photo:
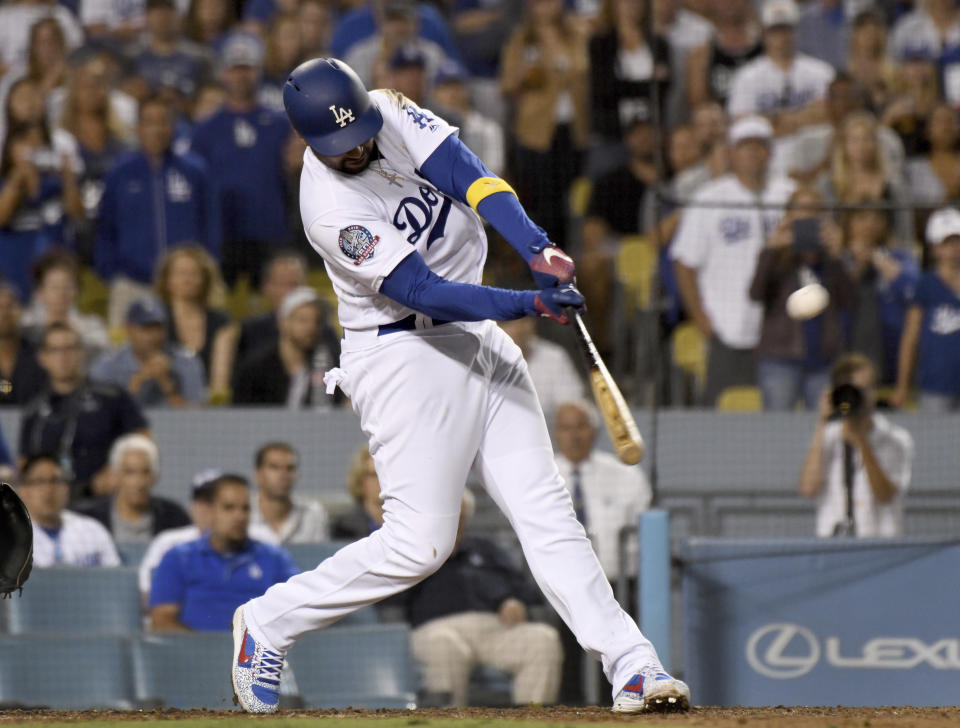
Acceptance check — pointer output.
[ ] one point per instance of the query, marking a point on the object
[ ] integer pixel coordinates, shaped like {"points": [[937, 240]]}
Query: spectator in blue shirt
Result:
{"points": [[362, 23], [102, 137], [933, 322], [152, 201], [884, 277], [166, 58], [156, 372], [482, 28], [37, 188], [199, 584], [243, 145]]}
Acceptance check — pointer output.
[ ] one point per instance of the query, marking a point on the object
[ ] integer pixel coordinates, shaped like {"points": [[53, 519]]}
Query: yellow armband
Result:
{"points": [[484, 187]]}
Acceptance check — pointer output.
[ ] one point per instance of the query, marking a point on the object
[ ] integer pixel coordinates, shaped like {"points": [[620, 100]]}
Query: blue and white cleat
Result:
{"points": [[652, 691], [255, 673]]}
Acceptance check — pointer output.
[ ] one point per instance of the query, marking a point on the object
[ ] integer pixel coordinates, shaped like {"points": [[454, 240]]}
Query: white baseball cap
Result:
{"points": [[942, 224], [297, 298], [750, 127], [779, 12]]}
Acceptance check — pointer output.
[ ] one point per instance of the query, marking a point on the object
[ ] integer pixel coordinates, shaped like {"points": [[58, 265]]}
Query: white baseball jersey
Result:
{"points": [[81, 541], [723, 245], [364, 225], [762, 87]]}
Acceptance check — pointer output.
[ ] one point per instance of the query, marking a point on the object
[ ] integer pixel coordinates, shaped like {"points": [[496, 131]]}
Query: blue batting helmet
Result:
{"points": [[329, 106]]}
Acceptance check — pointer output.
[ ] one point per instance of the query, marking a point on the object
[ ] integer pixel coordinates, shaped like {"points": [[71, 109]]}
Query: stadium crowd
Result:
{"points": [[146, 155], [702, 160]]}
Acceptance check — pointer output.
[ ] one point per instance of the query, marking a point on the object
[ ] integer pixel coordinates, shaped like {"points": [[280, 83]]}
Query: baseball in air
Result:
{"points": [[807, 302]]}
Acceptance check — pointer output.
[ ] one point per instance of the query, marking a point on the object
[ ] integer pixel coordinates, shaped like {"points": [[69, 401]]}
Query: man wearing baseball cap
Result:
{"points": [[156, 373], [932, 325], [784, 85], [715, 254], [244, 146]]}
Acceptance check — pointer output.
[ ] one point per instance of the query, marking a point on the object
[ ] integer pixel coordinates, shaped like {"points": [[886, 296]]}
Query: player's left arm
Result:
{"points": [[412, 284], [458, 172]]}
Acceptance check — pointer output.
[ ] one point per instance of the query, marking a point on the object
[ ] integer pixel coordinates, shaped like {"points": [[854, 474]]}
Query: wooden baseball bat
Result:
{"points": [[621, 426]]}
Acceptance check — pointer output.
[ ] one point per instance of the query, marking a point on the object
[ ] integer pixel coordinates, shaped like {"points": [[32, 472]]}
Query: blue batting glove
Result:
{"points": [[550, 266], [551, 302]]}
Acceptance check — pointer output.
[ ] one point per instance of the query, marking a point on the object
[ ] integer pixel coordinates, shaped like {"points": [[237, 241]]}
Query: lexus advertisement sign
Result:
{"points": [[824, 622]]}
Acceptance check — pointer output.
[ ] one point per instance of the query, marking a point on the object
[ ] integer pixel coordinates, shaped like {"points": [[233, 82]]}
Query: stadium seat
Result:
{"points": [[636, 263], [580, 190], [82, 601], [740, 399], [238, 298], [490, 688], [360, 667], [309, 555], [66, 672], [690, 351], [94, 294], [131, 554], [183, 670]]}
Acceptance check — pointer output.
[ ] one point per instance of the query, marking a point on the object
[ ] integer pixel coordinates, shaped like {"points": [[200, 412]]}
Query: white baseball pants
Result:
{"points": [[435, 402]]}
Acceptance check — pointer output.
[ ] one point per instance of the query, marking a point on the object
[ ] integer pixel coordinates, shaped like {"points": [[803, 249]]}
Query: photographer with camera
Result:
{"points": [[859, 462], [793, 357]]}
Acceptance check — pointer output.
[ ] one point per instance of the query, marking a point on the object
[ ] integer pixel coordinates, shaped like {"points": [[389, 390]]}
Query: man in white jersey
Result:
{"points": [[391, 199], [784, 85], [61, 537], [715, 254]]}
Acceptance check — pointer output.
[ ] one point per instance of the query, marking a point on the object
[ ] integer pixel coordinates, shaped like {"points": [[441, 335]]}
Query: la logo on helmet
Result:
{"points": [[343, 116]]}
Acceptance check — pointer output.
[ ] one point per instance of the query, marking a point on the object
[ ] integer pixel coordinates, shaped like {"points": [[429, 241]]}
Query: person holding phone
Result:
{"points": [[38, 192], [794, 357]]}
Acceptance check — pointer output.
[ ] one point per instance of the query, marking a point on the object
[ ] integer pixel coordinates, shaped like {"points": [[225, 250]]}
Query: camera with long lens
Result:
{"points": [[846, 401]]}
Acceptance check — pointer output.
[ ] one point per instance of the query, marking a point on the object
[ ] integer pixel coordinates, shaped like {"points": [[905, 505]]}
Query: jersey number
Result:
{"points": [[418, 215]]}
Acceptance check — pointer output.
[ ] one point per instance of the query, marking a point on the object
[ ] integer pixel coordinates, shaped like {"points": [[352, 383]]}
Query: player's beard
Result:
{"points": [[357, 165]]}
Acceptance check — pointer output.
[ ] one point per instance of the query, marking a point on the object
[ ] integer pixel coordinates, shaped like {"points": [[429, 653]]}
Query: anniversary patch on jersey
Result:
{"points": [[358, 243]]}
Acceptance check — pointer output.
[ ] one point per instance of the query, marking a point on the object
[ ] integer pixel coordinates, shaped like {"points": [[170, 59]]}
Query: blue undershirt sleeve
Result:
{"points": [[453, 168], [415, 286]]}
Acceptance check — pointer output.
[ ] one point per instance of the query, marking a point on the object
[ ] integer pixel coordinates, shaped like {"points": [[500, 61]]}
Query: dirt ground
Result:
{"points": [[701, 717]]}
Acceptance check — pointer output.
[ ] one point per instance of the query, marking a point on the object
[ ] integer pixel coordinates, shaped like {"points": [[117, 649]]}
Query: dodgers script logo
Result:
{"points": [[417, 215], [358, 243]]}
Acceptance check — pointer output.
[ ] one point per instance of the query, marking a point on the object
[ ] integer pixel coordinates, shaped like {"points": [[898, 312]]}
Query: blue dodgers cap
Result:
{"points": [[408, 56], [146, 312], [329, 106], [450, 72]]}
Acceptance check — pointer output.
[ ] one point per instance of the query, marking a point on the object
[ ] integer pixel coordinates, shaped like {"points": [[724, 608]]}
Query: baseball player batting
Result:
{"points": [[391, 199]]}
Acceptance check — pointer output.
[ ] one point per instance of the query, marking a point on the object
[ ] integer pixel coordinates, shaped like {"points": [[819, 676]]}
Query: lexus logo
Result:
{"points": [[783, 650]]}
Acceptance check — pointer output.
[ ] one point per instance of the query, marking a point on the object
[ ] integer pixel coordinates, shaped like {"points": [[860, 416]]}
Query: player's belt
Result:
{"points": [[408, 323]]}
